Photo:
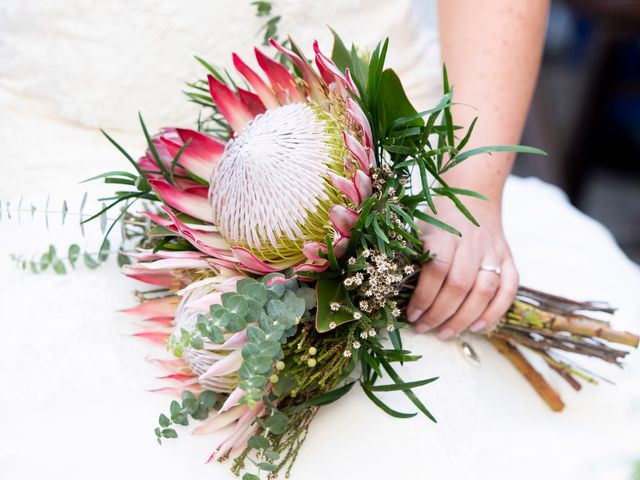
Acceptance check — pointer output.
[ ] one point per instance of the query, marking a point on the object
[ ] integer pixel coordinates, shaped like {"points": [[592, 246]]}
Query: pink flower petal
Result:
{"points": [[177, 390], [167, 321], [229, 105], [251, 263], [160, 307], [189, 203], [340, 247], [343, 219], [329, 71], [345, 186], [357, 150], [354, 110], [310, 77], [178, 377], [163, 279], [232, 400], [312, 251], [154, 337], [173, 263], [175, 365], [203, 303], [220, 420], [200, 156], [243, 425], [251, 101], [259, 86], [241, 441], [282, 82], [229, 364], [310, 267], [163, 222], [349, 81], [210, 243], [237, 340], [363, 185]]}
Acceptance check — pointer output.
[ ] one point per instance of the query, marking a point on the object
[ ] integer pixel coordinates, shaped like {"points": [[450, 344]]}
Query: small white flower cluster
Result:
{"points": [[371, 332], [379, 177], [378, 283], [354, 281]]}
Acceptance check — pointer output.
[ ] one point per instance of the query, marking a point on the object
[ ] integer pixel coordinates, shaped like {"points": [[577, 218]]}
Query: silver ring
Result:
{"points": [[491, 268]]}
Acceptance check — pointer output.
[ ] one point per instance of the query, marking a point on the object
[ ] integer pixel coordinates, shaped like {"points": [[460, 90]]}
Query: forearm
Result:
{"points": [[492, 51]]}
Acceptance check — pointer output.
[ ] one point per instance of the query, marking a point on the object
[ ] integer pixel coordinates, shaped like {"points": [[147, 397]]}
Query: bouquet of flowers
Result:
{"points": [[284, 237]]}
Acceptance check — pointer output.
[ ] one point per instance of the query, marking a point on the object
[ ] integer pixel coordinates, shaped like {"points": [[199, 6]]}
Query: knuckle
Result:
{"points": [[486, 288], [457, 284], [438, 268]]}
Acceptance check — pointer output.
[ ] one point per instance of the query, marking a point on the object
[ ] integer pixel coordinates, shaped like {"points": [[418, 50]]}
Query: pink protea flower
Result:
{"points": [[295, 170]]}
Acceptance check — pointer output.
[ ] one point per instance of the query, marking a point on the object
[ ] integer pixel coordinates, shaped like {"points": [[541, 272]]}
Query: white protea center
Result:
{"points": [[270, 191]]}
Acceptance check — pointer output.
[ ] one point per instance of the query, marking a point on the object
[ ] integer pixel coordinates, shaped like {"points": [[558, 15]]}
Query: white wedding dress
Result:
{"points": [[72, 399]]}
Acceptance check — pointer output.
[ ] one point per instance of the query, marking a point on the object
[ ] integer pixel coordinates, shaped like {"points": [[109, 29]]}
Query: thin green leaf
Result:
{"points": [[409, 393], [436, 223], [174, 162], [124, 152], [490, 149], [154, 151], [393, 387], [388, 410], [325, 398]]}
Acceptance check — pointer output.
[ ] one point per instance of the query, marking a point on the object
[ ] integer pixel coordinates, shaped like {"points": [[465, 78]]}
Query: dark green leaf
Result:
{"points": [[401, 386], [325, 398], [340, 55], [330, 290], [164, 421], [73, 254], [388, 410], [90, 262], [436, 223], [169, 433]]}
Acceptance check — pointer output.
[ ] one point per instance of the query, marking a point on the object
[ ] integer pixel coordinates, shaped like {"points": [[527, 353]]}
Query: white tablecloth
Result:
{"points": [[73, 402]]}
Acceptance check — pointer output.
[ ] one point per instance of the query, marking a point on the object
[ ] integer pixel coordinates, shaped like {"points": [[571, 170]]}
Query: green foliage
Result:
{"points": [[61, 265], [371, 364], [330, 291], [197, 408], [273, 308]]}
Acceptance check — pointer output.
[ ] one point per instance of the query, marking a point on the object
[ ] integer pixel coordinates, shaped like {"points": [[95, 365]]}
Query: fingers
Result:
{"points": [[503, 299], [432, 277], [458, 283], [484, 289]]}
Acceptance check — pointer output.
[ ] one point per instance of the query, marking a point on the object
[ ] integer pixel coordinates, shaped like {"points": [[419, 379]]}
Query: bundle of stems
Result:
{"points": [[549, 325]]}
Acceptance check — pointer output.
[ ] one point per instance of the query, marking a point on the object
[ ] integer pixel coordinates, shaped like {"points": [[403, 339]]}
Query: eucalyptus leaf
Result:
{"points": [[73, 254]]}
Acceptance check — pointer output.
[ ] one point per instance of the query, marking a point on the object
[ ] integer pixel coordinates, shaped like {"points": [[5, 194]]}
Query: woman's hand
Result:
{"points": [[453, 293], [492, 50]]}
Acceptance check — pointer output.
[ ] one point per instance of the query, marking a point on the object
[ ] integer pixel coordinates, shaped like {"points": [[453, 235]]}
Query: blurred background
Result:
{"points": [[586, 113]]}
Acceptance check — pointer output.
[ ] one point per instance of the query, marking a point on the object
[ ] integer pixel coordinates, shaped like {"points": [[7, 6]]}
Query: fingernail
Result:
{"points": [[414, 315], [476, 327], [446, 334]]}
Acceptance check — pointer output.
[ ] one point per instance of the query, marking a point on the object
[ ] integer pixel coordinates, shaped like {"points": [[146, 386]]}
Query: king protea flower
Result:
{"points": [[295, 170]]}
